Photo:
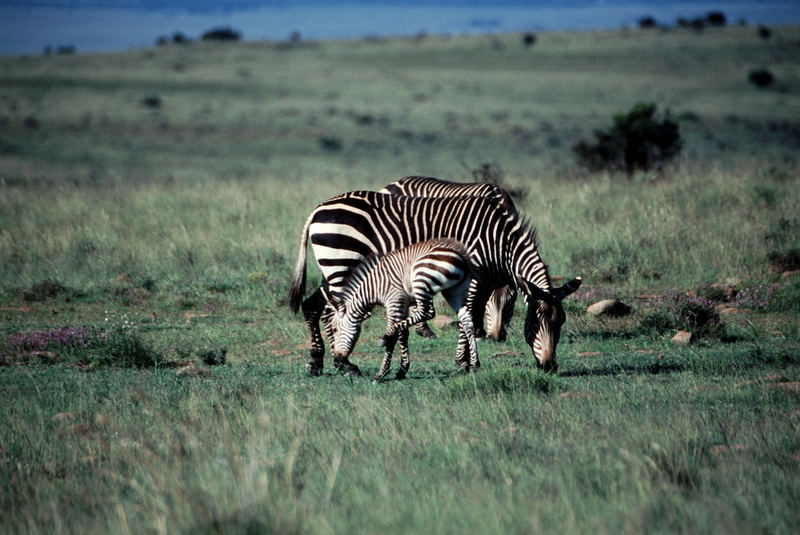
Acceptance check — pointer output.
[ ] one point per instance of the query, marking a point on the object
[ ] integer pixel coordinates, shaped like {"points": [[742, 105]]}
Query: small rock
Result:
{"points": [[790, 274], [726, 289], [682, 338], [589, 354], [442, 321], [101, 420], [64, 417], [123, 278], [608, 307], [793, 386], [192, 371]]}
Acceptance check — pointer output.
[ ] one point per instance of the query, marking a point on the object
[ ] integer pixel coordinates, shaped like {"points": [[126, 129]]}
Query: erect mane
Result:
{"points": [[358, 274], [527, 230]]}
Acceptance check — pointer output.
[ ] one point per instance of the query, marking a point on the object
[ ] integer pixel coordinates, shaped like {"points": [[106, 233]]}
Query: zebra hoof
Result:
{"points": [[314, 369], [375, 381], [354, 372], [400, 375]]}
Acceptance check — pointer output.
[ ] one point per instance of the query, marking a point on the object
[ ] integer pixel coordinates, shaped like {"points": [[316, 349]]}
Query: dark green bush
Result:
{"points": [[638, 139]]}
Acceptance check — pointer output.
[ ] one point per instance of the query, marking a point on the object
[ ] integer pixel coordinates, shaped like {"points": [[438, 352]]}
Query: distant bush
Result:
{"points": [[488, 172], [152, 101], [43, 290], [764, 32], [638, 139], [647, 22], [331, 144], [761, 78], [716, 18], [529, 39], [222, 34]]}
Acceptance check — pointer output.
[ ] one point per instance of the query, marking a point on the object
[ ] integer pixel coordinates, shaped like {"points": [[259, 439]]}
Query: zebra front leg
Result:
{"points": [[422, 312], [312, 311], [467, 332], [329, 324], [405, 362], [389, 342]]}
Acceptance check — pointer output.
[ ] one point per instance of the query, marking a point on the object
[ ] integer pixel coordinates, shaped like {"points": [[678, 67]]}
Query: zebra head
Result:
{"points": [[544, 320], [346, 333]]}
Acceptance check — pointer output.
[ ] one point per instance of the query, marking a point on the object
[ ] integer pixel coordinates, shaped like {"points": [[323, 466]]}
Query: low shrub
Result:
{"points": [[761, 78], [45, 289], [689, 312], [118, 346], [638, 139], [222, 34]]}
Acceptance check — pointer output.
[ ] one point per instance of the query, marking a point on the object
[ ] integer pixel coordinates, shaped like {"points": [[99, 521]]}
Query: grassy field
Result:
{"points": [[151, 203]]}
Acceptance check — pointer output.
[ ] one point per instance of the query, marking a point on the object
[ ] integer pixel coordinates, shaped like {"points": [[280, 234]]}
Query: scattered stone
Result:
{"points": [[721, 449], [192, 371], [793, 386], [682, 338], [608, 307], [101, 420], [27, 357], [442, 321], [572, 394], [589, 354], [64, 417], [724, 310], [123, 278], [727, 290]]}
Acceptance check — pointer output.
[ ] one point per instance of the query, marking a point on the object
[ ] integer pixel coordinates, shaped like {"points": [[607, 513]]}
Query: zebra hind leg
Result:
{"points": [[389, 342], [424, 330], [313, 307], [328, 319], [405, 362], [467, 333]]}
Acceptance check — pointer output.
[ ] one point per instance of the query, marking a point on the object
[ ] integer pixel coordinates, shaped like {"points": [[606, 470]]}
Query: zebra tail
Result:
{"points": [[298, 288]]}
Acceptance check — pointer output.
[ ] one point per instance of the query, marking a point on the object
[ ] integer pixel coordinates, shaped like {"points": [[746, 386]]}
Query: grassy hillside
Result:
{"points": [[151, 203]]}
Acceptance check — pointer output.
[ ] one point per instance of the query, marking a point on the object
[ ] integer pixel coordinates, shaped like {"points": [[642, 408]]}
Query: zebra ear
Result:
{"points": [[563, 291]]}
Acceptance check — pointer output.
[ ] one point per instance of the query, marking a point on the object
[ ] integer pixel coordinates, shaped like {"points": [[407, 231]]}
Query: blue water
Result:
{"points": [[101, 25]]}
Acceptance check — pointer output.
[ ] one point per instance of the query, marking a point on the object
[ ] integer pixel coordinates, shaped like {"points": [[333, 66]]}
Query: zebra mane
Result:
{"points": [[358, 274], [528, 230]]}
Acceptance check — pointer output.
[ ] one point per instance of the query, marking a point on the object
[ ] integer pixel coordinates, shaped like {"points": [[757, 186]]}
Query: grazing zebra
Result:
{"points": [[408, 276], [501, 247], [500, 305]]}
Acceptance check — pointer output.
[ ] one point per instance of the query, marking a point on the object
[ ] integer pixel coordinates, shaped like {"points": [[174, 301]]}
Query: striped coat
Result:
{"points": [[501, 247], [408, 276]]}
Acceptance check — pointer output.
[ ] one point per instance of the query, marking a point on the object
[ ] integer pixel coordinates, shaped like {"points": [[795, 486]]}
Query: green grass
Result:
{"points": [[171, 233]]}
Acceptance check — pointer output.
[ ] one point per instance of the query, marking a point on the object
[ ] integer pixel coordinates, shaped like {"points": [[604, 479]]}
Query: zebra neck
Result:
{"points": [[529, 268]]}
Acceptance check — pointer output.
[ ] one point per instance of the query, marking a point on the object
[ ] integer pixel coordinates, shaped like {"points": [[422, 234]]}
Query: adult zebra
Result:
{"points": [[499, 307], [501, 246]]}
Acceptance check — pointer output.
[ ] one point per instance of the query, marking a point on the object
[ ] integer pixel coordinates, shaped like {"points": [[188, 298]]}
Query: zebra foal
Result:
{"points": [[397, 280]]}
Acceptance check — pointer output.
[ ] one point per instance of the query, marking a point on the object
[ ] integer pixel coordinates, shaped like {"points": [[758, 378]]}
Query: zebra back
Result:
{"points": [[426, 186], [348, 228]]}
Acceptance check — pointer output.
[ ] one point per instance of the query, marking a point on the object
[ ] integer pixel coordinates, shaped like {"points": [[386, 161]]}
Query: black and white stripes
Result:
{"points": [[500, 245], [408, 276]]}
